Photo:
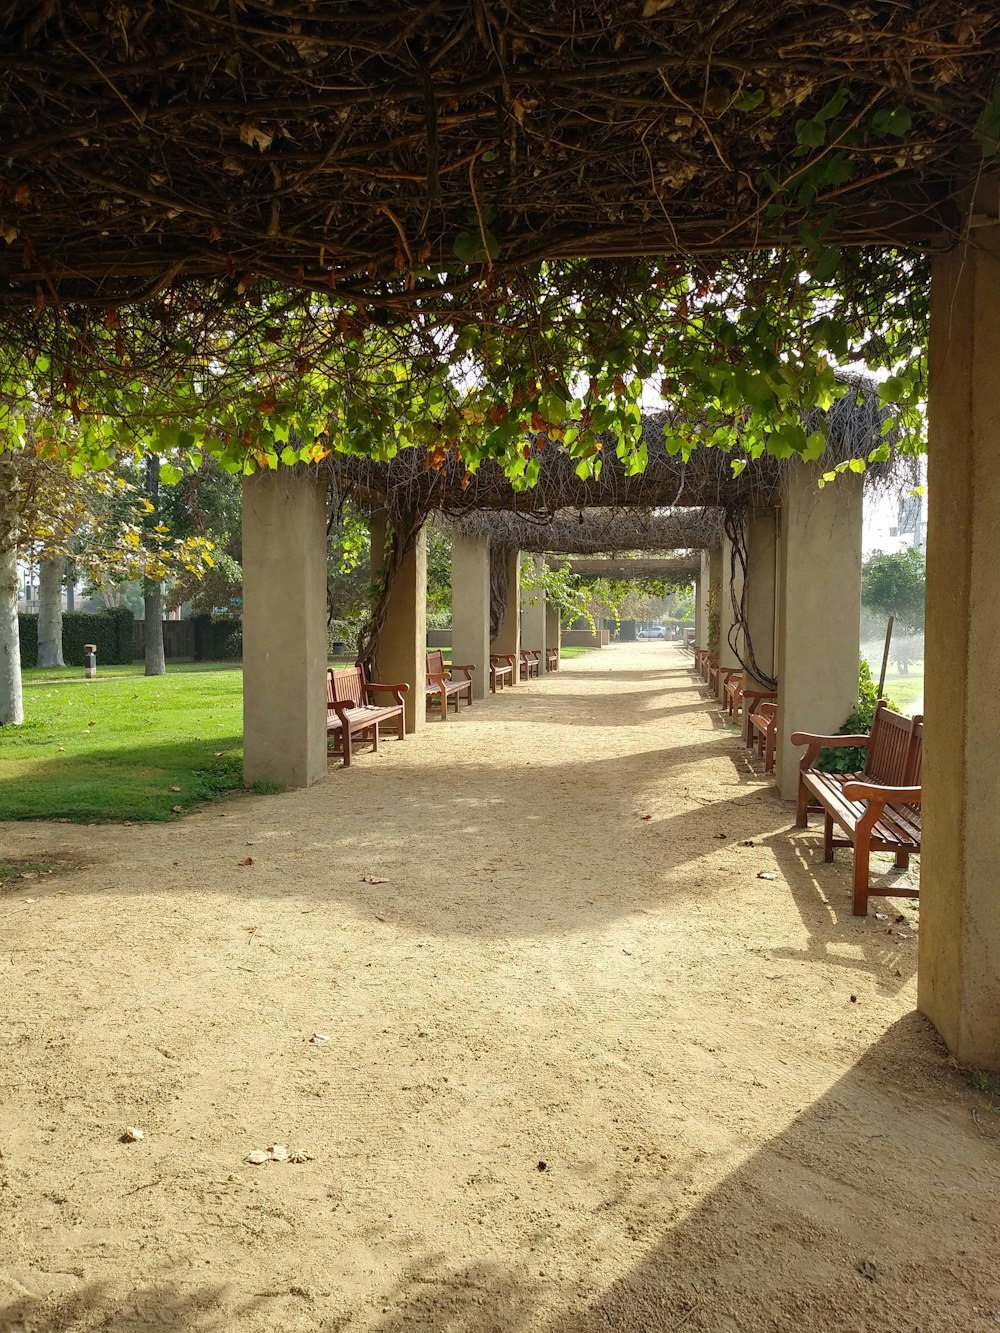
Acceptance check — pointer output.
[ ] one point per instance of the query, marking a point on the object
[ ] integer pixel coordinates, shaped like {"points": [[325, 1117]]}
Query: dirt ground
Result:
{"points": [[585, 1069]]}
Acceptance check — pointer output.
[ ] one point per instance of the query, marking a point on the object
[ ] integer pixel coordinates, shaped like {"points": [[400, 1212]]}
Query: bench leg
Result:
{"points": [[902, 860], [802, 806], [769, 753], [444, 704], [828, 838], [375, 738], [347, 746], [862, 856]]}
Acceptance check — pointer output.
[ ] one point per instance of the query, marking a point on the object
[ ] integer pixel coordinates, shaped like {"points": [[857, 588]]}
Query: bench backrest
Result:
{"points": [[435, 664], [345, 687], [916, 752], [889, 749]]}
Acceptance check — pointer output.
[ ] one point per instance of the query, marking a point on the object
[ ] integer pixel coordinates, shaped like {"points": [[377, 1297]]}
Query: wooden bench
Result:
{"points": [[552, 659], [762, 727], [501, 671], [710, 669], [752, 695], [732, 692], [442, 685], [877, 809], [350, 712], [530, 663]]}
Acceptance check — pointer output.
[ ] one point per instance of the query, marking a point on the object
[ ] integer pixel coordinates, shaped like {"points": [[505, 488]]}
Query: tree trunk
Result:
{"points": [[152, 591], [50, 579], [71, 593], [11, 702], [156, 660]]}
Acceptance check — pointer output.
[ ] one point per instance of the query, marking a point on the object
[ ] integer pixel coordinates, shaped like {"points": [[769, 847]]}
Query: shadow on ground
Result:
{"points": [[806, 1234]]}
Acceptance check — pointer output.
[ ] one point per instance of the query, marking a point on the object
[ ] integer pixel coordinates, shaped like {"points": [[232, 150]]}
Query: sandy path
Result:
{"points": [[546, 976]]}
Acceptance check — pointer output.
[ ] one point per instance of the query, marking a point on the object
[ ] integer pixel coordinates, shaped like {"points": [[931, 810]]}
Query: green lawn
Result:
{"points": [[123, 746]]}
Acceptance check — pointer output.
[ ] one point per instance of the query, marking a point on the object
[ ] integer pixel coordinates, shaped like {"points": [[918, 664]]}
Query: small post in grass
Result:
{"points": [[885, 656], [90, 660]]}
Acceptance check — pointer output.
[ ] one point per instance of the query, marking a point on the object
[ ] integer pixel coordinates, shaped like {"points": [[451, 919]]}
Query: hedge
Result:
{"points": [[217, 640], [110, 630]]}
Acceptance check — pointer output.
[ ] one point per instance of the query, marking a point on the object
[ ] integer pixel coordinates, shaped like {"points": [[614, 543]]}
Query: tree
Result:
{"points": [[894, 585]]}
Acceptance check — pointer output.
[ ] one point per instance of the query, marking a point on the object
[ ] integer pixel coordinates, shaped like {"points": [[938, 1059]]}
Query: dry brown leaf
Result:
{"points": [[247, 861]]}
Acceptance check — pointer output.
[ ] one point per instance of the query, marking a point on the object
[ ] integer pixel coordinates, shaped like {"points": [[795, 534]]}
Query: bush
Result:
{"points": [[851, 759], [217, 640], [110, 630]]}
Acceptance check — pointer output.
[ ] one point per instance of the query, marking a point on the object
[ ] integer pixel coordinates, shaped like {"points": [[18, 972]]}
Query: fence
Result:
{"points": [[178, 640]]}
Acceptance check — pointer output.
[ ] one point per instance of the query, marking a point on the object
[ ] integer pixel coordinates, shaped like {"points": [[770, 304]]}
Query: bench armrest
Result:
{"points": [[397, 690], [438, 677], [457, 666], [817, 743], [872, 791]]}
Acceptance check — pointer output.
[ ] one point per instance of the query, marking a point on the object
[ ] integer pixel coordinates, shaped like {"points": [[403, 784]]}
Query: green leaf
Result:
{"points": [[749, 101], [834, 106], [810, 133], [987, 133], [169, 474], [896, 121]]}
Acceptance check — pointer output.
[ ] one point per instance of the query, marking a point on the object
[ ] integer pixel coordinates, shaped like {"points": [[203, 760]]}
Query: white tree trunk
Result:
{"points": [[11, 702], [50, 579]]}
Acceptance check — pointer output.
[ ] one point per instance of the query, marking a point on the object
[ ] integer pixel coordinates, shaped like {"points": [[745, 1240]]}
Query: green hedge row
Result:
{"points": [[217, 640], [110, 630]]}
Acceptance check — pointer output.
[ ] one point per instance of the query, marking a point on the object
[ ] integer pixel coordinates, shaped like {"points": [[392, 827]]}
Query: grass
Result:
{"points": [[124, 746], [18, 873]]}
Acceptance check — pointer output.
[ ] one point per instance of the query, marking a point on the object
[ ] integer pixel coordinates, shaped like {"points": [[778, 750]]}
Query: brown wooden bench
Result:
{"points": [[501, 671], [442, 685], [350, 712], [752, 695], [762, 726], [530, 663], [877, 809], [552, 659], [732, 692]]}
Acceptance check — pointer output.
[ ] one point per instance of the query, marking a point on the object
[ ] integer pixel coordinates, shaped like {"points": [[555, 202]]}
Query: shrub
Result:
{"points": [[110, 630], [851, 759]]}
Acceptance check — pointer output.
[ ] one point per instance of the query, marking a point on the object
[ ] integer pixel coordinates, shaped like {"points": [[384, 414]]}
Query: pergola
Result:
{"points": [[334, 149]]}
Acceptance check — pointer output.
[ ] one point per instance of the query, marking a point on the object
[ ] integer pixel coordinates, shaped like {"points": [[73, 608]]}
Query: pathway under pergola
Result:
{"points": [[600, 1046]]}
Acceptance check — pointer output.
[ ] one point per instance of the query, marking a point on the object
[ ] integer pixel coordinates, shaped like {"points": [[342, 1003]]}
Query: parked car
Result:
{"points": [[651, 632]]}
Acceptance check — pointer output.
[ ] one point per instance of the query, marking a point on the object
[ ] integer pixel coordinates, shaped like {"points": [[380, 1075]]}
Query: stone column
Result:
{"points": [[761, 584], [508, 639], [729, 626], [284, 627], [819, 620], [553, 627], [701, 603], [959, 973], [402, 646], [714, 590], [533, 623], [470, 608]]}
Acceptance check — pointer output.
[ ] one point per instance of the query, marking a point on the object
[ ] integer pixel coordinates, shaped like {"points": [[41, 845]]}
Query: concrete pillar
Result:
{"points": [[761, 584], [508, 639], [533, 623], [284, 627], [730, 629], [701, 603], [959, 973], [819, 621], [553, 627], [470, 608], [714, 596], [402, 645]]}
